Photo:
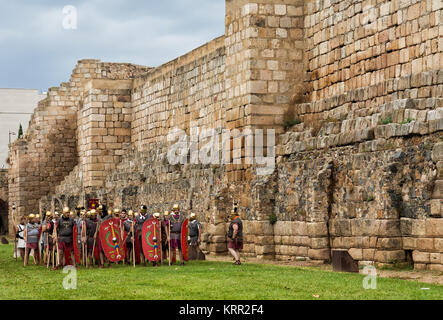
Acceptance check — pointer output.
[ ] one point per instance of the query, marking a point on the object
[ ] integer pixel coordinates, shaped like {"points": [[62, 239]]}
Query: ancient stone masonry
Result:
{"points": [[4, 201], [353, 90]]}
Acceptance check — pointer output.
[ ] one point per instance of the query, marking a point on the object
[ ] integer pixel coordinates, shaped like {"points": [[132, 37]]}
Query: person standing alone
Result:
{"points": [[235, 236]]}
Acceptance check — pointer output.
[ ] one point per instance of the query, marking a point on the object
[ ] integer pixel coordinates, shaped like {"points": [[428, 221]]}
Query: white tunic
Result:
{"points": [[21, 242]]}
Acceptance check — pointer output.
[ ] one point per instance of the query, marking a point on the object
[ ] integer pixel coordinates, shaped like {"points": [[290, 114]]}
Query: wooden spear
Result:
{"points": [[95, 240], [56, 243], [169, 241], [48, 256], [133, 243], [26, 245]]}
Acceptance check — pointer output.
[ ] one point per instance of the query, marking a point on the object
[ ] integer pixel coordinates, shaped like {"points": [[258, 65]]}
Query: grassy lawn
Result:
{"points": [[199, 280]]}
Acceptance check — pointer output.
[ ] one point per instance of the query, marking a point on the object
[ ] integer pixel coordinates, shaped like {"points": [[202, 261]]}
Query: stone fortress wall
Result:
{"points": [[3, 201], [352, 88]]}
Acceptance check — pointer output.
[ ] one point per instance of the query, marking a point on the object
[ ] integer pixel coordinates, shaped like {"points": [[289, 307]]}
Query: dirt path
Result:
{"points": [[433, 277]]}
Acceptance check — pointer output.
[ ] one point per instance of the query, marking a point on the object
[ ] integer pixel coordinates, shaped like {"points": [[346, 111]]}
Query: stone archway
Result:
{"points": [[3, 217]]}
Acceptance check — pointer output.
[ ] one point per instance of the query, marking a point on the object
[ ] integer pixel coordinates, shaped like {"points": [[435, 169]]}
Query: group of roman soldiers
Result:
{"points": [[51, 239]]}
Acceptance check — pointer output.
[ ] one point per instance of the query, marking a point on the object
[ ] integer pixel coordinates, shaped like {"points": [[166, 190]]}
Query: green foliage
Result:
{"points": [[290, 123], [20, 131], [397, 266], [370, 198], [386, 120], [208, 280], [272, 218], [365, 150], [408, 120]]}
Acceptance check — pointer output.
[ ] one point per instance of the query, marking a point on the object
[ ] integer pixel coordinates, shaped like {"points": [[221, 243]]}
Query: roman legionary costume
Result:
{"points": [[92, 237], [194, 235], [235, 243], [20, 235], [139, 221], [165, 233], [47, 232], [65, 230], [127, 226], [40, 241], [176, 220], [32, 233], [106, 215]]}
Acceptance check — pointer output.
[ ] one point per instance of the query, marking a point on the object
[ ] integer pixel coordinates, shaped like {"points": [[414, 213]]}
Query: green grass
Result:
{"points": [[199, 280]]}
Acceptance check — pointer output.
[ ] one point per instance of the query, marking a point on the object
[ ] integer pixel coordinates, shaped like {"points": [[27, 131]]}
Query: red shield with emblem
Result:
{"points": [[76, 244], [93, 203], [111, 240], [151, 239], [184, 240]]}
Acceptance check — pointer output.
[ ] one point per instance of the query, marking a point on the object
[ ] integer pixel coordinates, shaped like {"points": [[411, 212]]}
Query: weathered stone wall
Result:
{"points": [[355, 44], [51, 146], [187, 90], [353, 90], [4, 201]]}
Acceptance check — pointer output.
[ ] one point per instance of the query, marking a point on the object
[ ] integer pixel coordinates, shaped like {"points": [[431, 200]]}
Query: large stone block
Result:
{"points": [[264, 228], [436, 267], [217, 230], [356, 253], [425, 244], [389, 256], [409, 243], [340, 227], [435, 258], [438, 190], [299, 228], [438, 244], [317, 229], [420, 257], [218, 239], [267, 249], [264, 240], [217, 247], [319, 254], [437, 152], [434, 227], [320, 243], [389, 243]]}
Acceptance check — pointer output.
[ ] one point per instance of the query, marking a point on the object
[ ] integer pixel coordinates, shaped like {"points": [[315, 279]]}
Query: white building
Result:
{"points": [[16, 107]]}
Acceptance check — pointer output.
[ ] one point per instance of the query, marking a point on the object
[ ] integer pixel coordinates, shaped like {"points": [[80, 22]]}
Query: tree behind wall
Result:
{"points": [[20, 131]]}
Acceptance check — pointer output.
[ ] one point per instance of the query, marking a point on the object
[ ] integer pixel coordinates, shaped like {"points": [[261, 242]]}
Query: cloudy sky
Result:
{"points": [[36, 51]]}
